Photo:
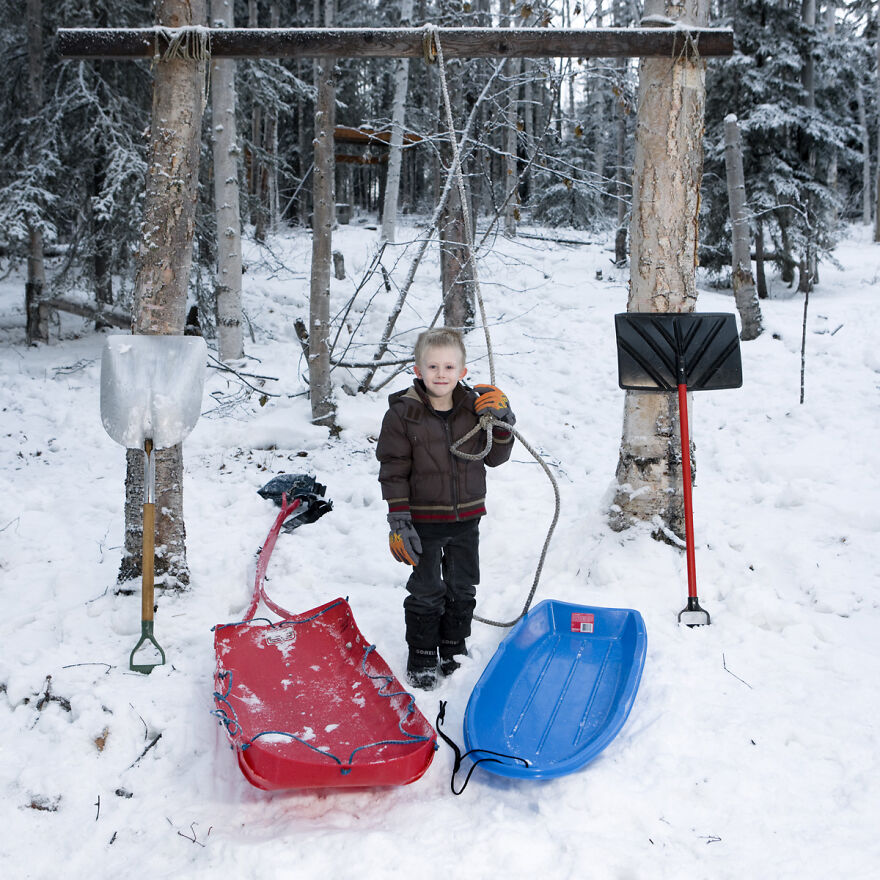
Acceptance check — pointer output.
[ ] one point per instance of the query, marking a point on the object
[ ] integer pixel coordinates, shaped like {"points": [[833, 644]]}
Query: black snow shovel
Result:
{"points": [[151, 398], [683, 352]]}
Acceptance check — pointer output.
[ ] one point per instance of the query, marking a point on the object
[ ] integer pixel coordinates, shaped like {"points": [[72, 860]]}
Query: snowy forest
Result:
{"points": [[802, 82], [195, 168]]}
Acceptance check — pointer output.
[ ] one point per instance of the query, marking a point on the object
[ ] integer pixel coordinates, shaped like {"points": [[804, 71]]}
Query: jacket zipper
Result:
{"points": [[454, 466]]}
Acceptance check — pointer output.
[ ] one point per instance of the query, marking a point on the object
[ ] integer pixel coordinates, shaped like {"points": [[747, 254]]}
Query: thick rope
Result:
{"points": [[487, 422]]}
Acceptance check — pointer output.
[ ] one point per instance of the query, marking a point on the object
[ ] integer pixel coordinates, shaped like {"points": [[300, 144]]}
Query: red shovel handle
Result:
{"points": [[688, 491]]}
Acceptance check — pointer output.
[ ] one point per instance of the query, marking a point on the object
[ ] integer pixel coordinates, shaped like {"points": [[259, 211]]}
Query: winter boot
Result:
{"points": [[422, 635], [455, 627]]}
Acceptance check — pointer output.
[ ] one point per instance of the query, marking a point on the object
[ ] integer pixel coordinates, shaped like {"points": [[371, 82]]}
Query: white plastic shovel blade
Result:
{"points": [[151, 387]]}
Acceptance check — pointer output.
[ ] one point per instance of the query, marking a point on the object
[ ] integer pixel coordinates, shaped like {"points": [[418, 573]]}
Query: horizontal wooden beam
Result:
{"points": [[113, 317], [402, 42], [344, 134]]}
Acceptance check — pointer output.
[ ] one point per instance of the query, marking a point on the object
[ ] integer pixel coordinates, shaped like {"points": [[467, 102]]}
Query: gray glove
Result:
{"points": [[403, 539]]}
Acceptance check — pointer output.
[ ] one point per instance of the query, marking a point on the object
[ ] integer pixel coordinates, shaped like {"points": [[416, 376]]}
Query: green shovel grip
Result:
{"points": [[146, 636]]}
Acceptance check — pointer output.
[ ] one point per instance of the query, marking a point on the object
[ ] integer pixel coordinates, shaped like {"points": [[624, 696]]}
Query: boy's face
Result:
{"points": [[440, 369]]}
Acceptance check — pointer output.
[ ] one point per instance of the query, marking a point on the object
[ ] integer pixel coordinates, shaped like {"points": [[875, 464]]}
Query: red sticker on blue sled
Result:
{"points": [[581, 622]]}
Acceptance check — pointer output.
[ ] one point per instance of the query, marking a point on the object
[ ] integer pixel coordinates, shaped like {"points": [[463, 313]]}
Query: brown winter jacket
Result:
{"points": [[417, 471]]}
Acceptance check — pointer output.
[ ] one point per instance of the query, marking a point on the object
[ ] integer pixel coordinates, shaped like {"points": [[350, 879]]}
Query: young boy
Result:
{"points": [[435, 499]]}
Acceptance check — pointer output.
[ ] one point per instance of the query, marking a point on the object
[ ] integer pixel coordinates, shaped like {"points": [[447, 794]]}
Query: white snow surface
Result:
{"points": [[752, 748]]}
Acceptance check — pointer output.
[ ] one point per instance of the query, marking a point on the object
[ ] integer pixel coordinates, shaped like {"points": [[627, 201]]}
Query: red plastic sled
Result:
{"points": [[308, 703]]}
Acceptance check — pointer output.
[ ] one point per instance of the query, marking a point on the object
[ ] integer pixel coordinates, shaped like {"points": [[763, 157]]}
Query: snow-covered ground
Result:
{"points": [[752, 748]]}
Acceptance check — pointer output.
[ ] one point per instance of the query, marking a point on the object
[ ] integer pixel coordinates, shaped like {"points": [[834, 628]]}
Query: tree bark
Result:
{"points": [[743, 281], [808, 264], [511, 131], [258, 207], [511, 146], [666, 185], [759, 261], [877, 185], [36, 330], [395, 147], [459, 295], [866, 155], [324, 197], [273, 195], [456, 270], [163, 264], [227, 287]]}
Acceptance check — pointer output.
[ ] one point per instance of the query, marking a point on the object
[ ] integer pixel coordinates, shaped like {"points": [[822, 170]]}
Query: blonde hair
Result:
{"points": [[438, 337]]}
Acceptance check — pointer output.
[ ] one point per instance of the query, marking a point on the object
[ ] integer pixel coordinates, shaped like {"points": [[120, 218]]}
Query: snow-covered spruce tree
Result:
{"points": [[85, 178], [790, 144]]}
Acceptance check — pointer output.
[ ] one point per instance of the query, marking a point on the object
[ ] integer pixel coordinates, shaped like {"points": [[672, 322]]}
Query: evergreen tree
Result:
{"points": [[791, 139]]}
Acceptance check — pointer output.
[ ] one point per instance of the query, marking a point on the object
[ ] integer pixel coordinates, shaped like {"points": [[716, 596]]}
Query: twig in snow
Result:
{"points": [[194, 837], [724, 662], [72, 665], [155, 739]]}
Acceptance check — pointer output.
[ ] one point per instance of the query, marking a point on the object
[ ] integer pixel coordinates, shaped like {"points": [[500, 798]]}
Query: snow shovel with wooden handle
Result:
{"points": [[680, 353], [151, 398]]}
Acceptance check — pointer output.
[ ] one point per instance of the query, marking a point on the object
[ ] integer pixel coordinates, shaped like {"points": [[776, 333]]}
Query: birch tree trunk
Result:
{"points": [[163, 263], [36, 326], [395, 147], [743, 281], [227, 288], [324, 197], [666, 185]]}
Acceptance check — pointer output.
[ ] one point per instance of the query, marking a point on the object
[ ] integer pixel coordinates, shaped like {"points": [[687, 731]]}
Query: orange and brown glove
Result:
{"points": [[403, 539], [494, 401]]}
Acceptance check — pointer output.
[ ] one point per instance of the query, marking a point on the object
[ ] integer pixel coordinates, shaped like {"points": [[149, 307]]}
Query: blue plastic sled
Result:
{"points": [[558, 689]]}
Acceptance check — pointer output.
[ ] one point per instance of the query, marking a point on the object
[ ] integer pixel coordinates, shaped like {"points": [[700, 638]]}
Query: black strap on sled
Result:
{"points": [[500, 757]]}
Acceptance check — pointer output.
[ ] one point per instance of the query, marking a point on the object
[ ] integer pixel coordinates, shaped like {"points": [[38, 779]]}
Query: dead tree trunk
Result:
{"points": [[743, 281], [258, 208], [666, 184], [511, 146], [227, 287], [877, 186], [621, 111], [35, 328], [323, 409], [163, 264], [866, 155], [273, 197], [760, 276]]}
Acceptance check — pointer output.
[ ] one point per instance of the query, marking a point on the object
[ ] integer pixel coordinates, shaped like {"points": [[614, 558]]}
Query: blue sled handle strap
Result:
{"points": [[500, 757]]}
